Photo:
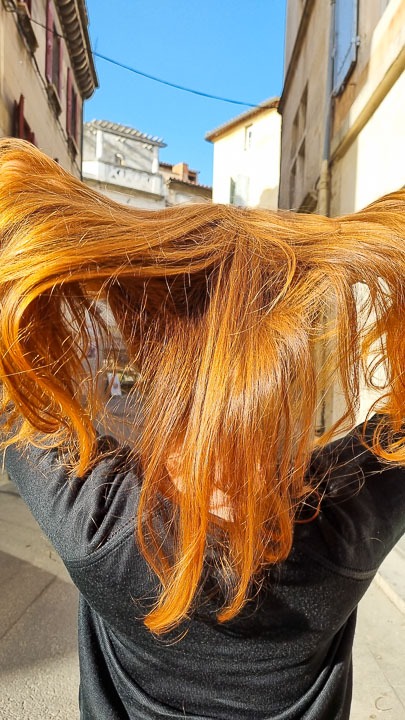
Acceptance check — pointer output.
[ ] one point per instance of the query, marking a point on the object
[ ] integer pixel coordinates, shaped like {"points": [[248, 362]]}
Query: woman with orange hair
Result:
{"points": [[221, 552]]}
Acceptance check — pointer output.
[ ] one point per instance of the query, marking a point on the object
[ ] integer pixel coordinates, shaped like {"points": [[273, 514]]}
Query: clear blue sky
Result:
{"points": [[230, 48]]}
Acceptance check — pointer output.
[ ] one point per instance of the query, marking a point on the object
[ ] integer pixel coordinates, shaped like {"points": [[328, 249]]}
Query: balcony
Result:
{"points": [[124, 177]]}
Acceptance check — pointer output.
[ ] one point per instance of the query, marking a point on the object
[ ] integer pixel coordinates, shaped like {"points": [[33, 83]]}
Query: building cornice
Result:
{"points": [[124, 131], [300, 37], [74, 21]]}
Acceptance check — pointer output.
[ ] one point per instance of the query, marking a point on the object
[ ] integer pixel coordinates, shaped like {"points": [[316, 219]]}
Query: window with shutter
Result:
{"points": [[69, 103], [53, 61], [21, 128], [49, 42], [72, 113], [23, 9], [346, 42]]}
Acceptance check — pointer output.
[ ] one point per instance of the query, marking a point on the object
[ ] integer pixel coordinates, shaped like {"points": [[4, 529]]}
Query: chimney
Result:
{"points": [[181, 171]]}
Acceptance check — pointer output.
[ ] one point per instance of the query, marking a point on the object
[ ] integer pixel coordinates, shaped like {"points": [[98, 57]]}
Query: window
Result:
{"points": [[297, 153], [292, 186], [346, 42], [232, 191], [53, 61], [56, 61], [299, 123], [294, 135], [24, 23], [248, 136], [72, 113], [21, 128], [301, 165], [239, 190]]}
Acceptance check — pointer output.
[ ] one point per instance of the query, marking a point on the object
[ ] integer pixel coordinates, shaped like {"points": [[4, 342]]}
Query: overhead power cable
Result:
{"points": [[133, 70], [171, 84]]}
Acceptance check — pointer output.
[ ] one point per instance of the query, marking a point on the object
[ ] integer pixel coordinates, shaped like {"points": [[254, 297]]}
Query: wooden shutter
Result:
{"points": [[60, 67], [20, 118], [69, 103], [49, 42], [78, 118], [345, 50]]}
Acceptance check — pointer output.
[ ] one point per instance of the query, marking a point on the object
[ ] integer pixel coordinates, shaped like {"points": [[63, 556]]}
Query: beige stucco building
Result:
{"points": [[367, 153], [46, 73], [247, 158], [182, 184], [123, 163], [343, 109]]}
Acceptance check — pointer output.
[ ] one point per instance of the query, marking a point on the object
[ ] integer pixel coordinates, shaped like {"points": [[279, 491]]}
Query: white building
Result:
{"points": [[123, 163], [247, 157]]}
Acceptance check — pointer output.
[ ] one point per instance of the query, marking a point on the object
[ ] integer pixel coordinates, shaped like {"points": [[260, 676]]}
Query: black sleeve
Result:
{"points": [[79, 515], [363, 509]]}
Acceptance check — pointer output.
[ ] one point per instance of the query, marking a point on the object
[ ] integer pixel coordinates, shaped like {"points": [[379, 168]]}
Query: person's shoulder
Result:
{"points": [[362, 510], [79, 514]]}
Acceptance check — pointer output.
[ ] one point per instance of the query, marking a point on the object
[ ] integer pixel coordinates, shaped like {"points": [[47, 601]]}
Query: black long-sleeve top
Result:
{"points": [[286, 657]]}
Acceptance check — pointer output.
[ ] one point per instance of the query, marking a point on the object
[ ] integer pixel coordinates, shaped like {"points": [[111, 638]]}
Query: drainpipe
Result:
{"points": [[81, 140], [324, 196], [324, 178]]}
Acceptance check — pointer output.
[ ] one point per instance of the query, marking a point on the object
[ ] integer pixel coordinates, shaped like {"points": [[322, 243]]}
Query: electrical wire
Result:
{"points": [[171, 84], [161, 81]]}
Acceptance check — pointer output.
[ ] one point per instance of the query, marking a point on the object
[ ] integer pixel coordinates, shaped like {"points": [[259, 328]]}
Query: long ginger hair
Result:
{"points": [[226, 312]]}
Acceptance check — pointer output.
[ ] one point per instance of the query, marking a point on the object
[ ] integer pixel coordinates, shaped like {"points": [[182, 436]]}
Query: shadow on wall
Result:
{"points": [[269, 198]]}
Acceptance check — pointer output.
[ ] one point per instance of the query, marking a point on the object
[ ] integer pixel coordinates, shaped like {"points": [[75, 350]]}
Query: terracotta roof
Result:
{"points": [[241, 119], [74, 21], [125, 131], [189, 184]]}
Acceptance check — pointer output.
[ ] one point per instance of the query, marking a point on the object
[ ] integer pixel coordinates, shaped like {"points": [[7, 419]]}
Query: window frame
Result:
{"points": [[53, 46], [21, 128], [346, 42], [72, 113]]}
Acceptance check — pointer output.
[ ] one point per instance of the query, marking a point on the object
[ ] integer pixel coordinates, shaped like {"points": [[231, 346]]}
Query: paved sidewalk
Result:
{"points": [[39, 676], [38, 661]]}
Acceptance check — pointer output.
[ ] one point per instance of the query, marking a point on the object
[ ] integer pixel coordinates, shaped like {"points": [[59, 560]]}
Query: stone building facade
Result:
{"points": [[123, 163], [343, 109], [46, 73]]}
